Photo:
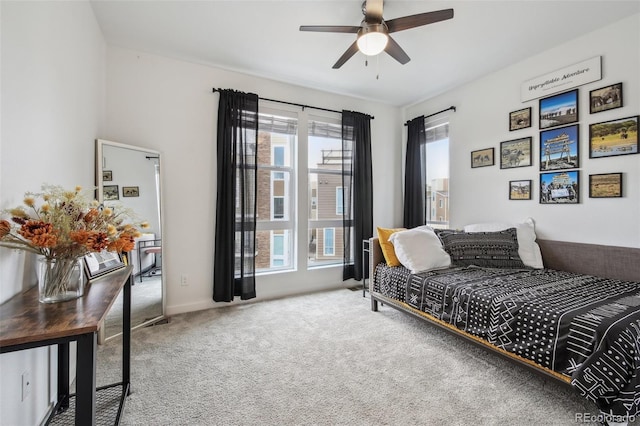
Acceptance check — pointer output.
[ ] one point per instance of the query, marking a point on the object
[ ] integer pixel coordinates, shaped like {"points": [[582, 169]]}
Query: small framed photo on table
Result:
{"points": [[98, 264]]}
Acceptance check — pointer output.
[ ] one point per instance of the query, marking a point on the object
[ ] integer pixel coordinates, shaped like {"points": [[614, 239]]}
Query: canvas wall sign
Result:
{"points": [[563, 79]]}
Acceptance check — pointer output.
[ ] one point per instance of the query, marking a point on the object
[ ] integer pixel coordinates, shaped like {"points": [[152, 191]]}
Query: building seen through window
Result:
{"points": [[279, 201], [437, 185]]}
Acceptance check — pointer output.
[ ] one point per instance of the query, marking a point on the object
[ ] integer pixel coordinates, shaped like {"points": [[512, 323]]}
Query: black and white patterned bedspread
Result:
{"points": [[582, 326]]}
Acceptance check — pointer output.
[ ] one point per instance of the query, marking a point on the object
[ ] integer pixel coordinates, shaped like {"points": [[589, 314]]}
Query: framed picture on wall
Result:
{"points": [[605, 185], [520, 189], [107, 175], [559, 148], [605, 98], [515, 153], [482, 158], [110, 192], [520, 119], [560, 187], [559, 110], [615, 137], [130, 191]]}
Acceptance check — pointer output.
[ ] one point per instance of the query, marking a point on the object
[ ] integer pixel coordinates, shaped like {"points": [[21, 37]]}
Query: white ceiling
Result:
{"points": [[262, 38]]}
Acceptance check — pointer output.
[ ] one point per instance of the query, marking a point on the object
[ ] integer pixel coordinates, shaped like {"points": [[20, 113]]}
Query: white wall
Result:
{"points": [[168, 105], [52, 86], [481, 121]]}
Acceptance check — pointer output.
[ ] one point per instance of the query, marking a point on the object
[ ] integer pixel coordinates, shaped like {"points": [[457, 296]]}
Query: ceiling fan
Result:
{"points": [[373, 32]]}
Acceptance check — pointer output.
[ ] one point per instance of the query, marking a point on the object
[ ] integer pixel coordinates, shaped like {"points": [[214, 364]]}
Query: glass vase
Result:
{"points": [[60, 279]]}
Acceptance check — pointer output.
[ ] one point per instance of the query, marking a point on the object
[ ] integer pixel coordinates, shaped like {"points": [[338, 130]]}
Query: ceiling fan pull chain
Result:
{"points": [[377, 67]]}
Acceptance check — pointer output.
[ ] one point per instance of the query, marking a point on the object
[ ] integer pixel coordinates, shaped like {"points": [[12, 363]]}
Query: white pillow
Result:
{"points": [[528, 249], [419, 250]]}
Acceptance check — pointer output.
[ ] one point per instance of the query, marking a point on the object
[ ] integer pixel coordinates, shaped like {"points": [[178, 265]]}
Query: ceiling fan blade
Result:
{"points": [[418, 20], [346, 55], [396, 52], [373, 11], [330, 28]]}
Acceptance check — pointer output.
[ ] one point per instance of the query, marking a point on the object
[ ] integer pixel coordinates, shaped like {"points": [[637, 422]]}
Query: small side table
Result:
{"points": [[365, 265], [25, 323]]}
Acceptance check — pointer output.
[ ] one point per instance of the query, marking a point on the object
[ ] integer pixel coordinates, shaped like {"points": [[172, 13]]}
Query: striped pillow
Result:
{"points": [[485, 249]]}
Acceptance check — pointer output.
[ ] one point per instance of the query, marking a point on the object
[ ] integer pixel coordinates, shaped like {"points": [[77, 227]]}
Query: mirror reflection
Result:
{"points": [[130, 176]]}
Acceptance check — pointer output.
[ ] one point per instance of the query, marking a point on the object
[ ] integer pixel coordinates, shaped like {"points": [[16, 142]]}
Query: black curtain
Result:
{"points": [[415, 175], [235, 237], [357, 183]]}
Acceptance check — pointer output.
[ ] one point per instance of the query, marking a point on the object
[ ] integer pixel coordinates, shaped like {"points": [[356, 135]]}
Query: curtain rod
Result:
{"points": [[298, 105], [435, 113]]}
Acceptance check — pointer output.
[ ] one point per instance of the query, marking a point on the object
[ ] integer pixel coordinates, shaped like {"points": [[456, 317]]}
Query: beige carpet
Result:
{"points": [[325, 359]]}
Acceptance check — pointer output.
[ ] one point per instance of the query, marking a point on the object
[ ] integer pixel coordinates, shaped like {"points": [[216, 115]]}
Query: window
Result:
{"points": [[277, 139], [279, 248], [329, 241], [326, 192], [287, 156], [339, 201], [437, 161]]}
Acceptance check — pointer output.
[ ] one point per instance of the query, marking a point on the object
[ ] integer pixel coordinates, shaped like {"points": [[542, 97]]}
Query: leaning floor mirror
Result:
{"points": [[131, 176]]}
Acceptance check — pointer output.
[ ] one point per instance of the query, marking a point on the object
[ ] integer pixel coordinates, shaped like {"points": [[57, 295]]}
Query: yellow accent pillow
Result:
{"points": [[386, 246]]}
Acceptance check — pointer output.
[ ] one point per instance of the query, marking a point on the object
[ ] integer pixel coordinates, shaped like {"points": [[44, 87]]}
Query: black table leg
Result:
{"points": [[63, 376], [86, 380], [126, 334]]}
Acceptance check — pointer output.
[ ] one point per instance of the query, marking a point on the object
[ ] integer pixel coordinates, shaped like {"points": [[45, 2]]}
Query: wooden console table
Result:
{"points": [[25, 323]]}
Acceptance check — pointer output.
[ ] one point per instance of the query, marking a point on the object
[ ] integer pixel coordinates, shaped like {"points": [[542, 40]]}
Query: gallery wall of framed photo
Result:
{"points": [[493, 113], [562, 138]]}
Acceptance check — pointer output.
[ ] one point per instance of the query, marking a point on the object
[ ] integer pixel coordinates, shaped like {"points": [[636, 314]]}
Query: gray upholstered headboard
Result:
{"points": [[621, 263]]}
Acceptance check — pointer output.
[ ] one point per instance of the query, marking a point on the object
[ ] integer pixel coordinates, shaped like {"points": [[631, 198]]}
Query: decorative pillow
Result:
{"points": [[420, 250], [528, 249], [485, 249], [387, 248]]}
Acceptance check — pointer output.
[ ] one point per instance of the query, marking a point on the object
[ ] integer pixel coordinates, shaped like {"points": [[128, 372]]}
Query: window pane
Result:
{"points": [[273, 249], [329, 249], [278, 155], [325, 191], [339, 201], [276, 204], [278, 245], [437, 160], [278, 207]]}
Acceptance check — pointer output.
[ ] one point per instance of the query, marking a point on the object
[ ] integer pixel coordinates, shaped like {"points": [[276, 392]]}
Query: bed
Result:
{"points": [[574, 319]]}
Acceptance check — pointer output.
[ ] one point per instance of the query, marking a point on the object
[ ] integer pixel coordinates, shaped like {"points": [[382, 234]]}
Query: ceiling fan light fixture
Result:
{"points": [[372, 39]]}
